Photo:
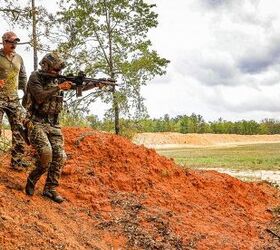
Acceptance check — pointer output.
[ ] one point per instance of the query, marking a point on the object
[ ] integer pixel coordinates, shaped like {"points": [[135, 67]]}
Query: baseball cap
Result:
{"points": [[10, 36]]}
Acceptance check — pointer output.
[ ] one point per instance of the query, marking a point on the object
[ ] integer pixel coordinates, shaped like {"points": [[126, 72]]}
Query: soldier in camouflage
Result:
{"points": [[12, 78], [43, 101]]}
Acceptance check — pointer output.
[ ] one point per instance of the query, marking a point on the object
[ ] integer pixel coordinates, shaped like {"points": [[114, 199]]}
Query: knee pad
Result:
{"points": [[45, 156]]}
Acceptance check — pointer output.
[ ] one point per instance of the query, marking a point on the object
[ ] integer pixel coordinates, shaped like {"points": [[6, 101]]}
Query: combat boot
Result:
{"points": [[53, 195], [30, 187]]}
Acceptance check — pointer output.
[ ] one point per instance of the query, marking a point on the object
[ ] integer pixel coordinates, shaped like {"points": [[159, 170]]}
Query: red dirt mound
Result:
{"points": [[123, 196]]}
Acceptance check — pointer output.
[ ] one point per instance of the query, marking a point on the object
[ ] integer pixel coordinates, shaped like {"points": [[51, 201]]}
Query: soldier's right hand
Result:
{"points": [[65, 85], [2, 82]]}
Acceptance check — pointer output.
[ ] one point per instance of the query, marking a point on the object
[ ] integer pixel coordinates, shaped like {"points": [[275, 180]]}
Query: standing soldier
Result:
{"points": [[43, 101], [12, 78]]}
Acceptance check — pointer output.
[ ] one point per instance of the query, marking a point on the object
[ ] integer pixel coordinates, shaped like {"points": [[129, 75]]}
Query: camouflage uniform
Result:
{"points": [[13, 72], [44, 103]]}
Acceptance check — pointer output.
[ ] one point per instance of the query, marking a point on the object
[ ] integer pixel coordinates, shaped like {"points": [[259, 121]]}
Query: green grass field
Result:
{"points": [[243, 157]]}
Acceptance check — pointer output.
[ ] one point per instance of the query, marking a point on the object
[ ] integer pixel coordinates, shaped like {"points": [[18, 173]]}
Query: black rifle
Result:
{"points": [[81, 82]]}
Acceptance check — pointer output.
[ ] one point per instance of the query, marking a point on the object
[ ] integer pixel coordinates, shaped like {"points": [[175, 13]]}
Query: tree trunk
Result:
{"points": [[34, 36], [112, 75], [117, 111]]}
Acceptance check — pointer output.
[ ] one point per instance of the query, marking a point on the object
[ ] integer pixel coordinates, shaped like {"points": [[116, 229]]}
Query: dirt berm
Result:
{"points": [[123, 196], [171, 139]]}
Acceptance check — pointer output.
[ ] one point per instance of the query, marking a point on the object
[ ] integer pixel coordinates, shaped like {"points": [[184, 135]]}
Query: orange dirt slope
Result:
{"points": [[123, 196]]}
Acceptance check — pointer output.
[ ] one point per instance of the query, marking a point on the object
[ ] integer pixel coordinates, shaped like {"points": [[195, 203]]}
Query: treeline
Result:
{"points": [[188, 124]]}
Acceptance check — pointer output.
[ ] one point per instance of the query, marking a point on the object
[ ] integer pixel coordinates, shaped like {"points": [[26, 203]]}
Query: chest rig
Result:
{"points": [[53, 105], [49, 110]]}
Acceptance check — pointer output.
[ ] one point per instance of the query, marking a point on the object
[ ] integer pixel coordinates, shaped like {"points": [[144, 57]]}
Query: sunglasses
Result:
{"points": [[11, 42], [56, 70]]}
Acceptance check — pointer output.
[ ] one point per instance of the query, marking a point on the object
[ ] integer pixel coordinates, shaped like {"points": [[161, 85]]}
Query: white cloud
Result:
{"points": [[226, 54]]}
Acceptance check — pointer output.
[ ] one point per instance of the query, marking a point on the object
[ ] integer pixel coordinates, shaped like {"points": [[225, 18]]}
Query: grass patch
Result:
{"points": [[243, 157]]}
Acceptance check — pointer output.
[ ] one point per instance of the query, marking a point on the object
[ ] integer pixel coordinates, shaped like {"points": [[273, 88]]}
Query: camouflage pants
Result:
{"points": [[15, 114], [48, 142]]}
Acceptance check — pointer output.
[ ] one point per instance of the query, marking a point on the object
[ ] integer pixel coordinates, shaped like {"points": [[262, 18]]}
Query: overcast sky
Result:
{"points": [[225, 59]]}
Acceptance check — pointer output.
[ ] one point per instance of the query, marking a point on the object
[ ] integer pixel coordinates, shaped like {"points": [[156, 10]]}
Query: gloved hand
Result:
{"points": [[65, 85], [27, 123], [2, 82]]}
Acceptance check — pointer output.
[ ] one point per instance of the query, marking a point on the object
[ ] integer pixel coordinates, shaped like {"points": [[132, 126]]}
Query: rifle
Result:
{"points": [[81, 82]]}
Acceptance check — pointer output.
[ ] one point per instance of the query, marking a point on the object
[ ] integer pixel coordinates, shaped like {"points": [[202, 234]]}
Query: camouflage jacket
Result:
{"points": [[14, 74], [43, 98]]}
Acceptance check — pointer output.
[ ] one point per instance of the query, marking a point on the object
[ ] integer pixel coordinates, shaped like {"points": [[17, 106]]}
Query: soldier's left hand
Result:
{"points": [[65, 85]]}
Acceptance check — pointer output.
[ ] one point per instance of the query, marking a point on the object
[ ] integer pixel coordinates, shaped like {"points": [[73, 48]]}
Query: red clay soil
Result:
{"points": [[123, 196]]}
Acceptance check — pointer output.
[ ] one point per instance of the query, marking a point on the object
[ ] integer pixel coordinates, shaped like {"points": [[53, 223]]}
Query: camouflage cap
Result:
{"points": [[10, 36], [53, 60]]}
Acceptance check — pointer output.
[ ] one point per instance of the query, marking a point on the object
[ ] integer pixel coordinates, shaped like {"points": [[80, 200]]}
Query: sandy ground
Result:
{"points": [[177, 140], [169, 140]]}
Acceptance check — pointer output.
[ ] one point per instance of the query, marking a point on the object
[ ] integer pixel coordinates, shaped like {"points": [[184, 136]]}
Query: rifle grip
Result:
{"points": [[79, 91]]}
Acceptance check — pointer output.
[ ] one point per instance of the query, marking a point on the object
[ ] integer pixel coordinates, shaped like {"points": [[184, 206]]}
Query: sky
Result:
{"points": [[225, 59]]}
